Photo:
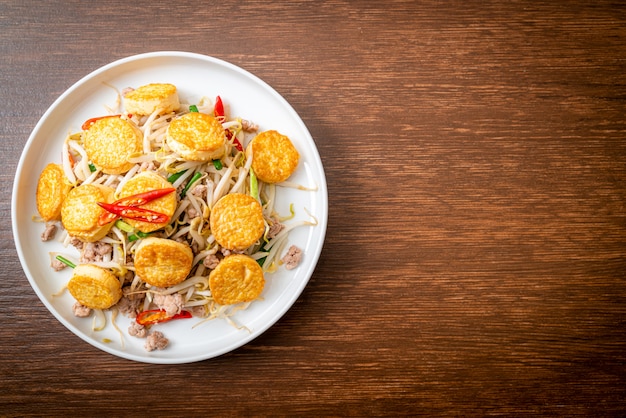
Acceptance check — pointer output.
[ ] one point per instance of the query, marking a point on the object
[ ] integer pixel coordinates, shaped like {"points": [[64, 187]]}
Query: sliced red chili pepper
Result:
{"points": [[133, 201], [218, 109], [91, 121], [154, 316], [143, 198], [134, 213], [235, 141], [106, 218]]}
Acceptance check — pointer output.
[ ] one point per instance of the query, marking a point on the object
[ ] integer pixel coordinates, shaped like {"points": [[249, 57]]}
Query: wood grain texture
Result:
{"points": [[475, 261]]}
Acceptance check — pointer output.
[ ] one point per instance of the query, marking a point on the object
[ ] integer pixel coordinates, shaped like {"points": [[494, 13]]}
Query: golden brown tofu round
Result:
{"points": [[237, 221], [52, 188], [80, 211], [162, 262], [274, 158], [145, 182], [94, 287], [110, 142], [237, 278], [197, 137], [146, 99]]}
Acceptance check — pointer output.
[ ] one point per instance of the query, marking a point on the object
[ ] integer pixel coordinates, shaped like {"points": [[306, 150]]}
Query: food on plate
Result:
{"points": [[237, 221], [274, 156], [52, 188], [80, 212], [237, 278], [162, 215], [197, 137], [146, 182], [110, 142], [94, 287], [162, 262], [160, 97]]}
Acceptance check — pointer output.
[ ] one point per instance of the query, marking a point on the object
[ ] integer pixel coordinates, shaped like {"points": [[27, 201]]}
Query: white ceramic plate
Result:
{"points": [[195, 76]]}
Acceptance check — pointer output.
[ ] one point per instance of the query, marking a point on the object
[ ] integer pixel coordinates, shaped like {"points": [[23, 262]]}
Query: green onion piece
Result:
{"points": [[217, 164], [92, 168], [193, 108], [65, 261], [195, 178], [261, 260], [176, 176], [130, 230], [137, 235], [124, 226], [254, 185]]}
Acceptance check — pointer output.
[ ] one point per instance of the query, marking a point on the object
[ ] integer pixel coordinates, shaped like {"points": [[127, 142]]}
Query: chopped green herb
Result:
{"points": [[254, 185], [135, 235], [195, 178], [65, 261], [141, 234], [217, 164], [176, 176], [92, 168], [193, 108], [261, 260], [124, 226]]}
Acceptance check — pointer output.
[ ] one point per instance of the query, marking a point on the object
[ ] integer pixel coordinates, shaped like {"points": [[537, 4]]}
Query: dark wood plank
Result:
{"points": [[476, 161]]}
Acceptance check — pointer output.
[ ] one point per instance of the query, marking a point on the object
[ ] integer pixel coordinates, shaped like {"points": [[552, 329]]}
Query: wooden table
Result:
{"points": [[475, 260]]}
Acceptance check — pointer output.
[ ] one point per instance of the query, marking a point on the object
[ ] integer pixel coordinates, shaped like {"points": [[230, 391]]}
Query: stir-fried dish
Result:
{"points": [[167, 211]]}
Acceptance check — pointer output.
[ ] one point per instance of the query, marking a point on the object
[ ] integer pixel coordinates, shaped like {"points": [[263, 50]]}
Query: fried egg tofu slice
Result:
{"points": [[274, 157], [197, 136], [80, 211], [237, 221], [52, 188], [110, 142], [163, 262], [94, 287], [146, 99], [237, 278], [145, 182]]}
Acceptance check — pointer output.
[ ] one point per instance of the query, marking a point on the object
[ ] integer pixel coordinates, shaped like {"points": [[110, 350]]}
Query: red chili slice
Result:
{"points": [[154, 316], [133, 201], [143, 198], [134, 213], [218, 109], [233, 138], [107, 217]]}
